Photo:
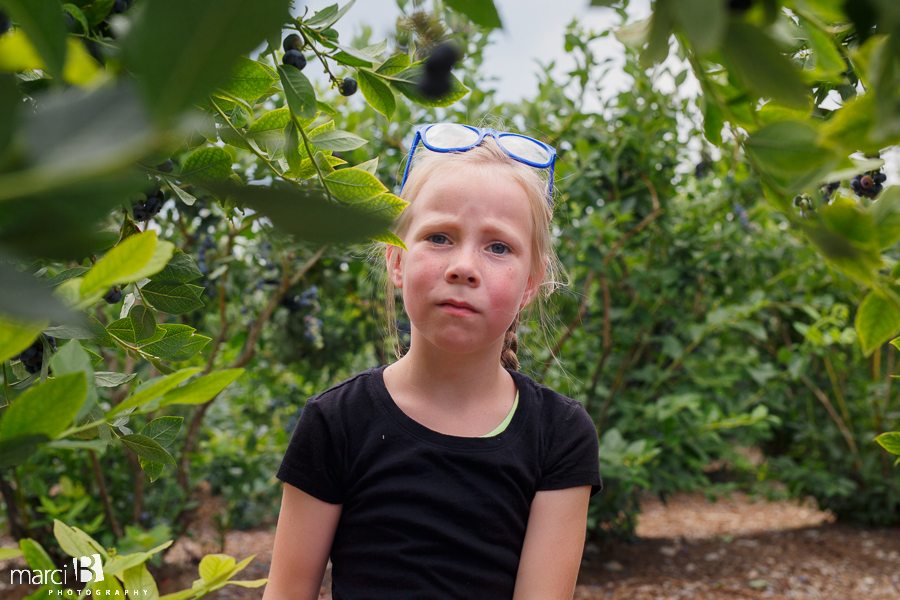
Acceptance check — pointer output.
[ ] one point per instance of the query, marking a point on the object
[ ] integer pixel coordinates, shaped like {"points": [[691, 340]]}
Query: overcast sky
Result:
{"points": [[532, 30]]}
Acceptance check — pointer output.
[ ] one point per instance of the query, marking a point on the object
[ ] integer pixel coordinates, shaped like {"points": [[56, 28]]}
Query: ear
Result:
{"points": [[532, 285], [394, 256]]}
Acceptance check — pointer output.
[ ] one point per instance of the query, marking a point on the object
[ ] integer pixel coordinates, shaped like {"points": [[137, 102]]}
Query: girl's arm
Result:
{"points": [[554, 542], [303, 539]]}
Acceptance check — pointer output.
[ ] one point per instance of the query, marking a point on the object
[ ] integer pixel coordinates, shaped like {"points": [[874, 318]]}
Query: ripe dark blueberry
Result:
{"points": [[166, 167], [868, 184], [740, 6], [119, 6], [5, 23], [33, 357], [113, 296], [442, 59], [292, 42], [348, 86], [70, 20], [294, 58]]}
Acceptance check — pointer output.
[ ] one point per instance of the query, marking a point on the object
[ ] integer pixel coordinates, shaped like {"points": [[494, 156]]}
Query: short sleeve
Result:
{"points": [[572, 457], [312, 461]]}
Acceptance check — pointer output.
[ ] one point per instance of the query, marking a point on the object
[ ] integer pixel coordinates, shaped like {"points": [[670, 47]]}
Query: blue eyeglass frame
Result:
{"points": [[482, 132]]}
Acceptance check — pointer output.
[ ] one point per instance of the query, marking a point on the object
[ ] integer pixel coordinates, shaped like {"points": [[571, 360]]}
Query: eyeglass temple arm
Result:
{"points": [[412, 153], [550, 186]]}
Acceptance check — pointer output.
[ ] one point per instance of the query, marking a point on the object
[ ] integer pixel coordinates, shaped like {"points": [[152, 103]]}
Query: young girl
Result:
{"points": [[447, 474]]}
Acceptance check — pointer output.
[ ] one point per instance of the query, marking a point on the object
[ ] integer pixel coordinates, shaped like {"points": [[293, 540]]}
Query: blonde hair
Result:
{"points": [[483, 158]]}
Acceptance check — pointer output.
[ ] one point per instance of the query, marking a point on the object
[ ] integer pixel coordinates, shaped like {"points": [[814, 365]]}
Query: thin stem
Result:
{"points": [[312, 159]]}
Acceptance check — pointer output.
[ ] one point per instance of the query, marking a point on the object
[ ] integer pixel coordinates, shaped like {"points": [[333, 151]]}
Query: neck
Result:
{"points": [[451, 379]]}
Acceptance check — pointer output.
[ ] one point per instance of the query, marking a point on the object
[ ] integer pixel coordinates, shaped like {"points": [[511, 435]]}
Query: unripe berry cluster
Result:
{"points": [[144, 211], [868, 184], [804, 203], [33, 356]]}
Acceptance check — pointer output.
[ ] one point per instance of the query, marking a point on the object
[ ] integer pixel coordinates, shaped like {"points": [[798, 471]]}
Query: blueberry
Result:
{"points": [[442, 59], [119, 6], [740, 6], [70, 20], [5, 23], [292, 42], [295, 59], [348, 86], [113, 296], [166, 167]]}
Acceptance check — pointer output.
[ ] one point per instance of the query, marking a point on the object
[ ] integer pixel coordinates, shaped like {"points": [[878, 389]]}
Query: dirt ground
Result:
{"points": [[691, 548]]}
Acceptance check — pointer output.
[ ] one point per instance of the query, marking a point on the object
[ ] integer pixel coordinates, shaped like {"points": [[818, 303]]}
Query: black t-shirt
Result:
{"points": [[429, 515]]}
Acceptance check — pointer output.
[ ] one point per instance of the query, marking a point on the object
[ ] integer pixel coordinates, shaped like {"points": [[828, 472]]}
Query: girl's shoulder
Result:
{"points": [[553, 406], [352, 394]]}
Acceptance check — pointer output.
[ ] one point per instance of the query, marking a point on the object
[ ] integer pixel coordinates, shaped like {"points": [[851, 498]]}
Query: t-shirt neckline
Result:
{"points": [[416, 429]]}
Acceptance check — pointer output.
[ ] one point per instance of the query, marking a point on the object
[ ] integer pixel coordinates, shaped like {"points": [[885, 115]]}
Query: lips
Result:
{"points": [[457, 307]]}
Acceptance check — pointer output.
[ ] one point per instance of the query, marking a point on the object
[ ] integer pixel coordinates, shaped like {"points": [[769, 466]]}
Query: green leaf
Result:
{"points": [[352, 57], [152, 389], [307, 214], [182, 195], [388, 205], [634, 34], [17, 335], [846, 218], [215, 567], [890, 441], [35, 555], [828, 60], [171, 298], [308, 170], [95, 10], [886, 216], [190, 348], [394, 65], [480, 12], [42, 21], [134, 258], [179, 51], [370, 166], [8, 553], [788, 149], [354, 185], [713, 121], [756, 60], [173, 339], [72, 358], [181, 268], [149, 449], [144, 321], [298, 92], [118, 563], [201, 390], [112, 379], [337, 140], [329, 16], [139, 579], [877, 321], [703, 22], [248, 81], [207, 165], [70, 541], [658, 37], [79, 16], [377, 93], [294, 151], [152, 469], [163, 430], [45, 409], [407, 82], [270, 125]]}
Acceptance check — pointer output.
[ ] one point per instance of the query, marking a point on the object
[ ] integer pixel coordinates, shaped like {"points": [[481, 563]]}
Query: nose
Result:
{"points": [[463, 267]]}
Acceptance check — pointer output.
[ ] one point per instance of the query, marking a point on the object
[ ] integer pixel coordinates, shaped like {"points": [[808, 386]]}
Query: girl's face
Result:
{"points": [[467, 271]]}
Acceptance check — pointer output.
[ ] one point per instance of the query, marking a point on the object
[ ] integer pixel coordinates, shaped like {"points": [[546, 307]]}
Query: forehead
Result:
{"points": [[490, 197]]}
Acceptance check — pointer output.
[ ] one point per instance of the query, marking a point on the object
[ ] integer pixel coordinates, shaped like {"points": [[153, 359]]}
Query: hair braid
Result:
{"points": [[508, 357]]}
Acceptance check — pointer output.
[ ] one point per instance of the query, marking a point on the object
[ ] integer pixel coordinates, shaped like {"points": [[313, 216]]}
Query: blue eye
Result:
{"points": [[436, 235], [504, 248]]}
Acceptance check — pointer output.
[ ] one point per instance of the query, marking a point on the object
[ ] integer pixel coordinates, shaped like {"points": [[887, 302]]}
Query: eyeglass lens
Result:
{"points": [[525, 148], [449, 135]]}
